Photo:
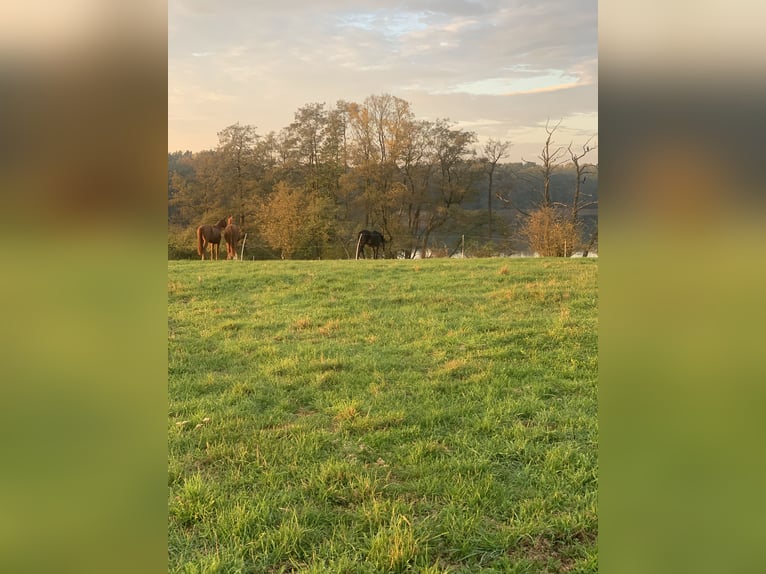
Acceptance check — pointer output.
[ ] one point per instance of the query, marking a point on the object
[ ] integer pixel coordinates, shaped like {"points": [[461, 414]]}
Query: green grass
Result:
{"points": [[382, 416]]}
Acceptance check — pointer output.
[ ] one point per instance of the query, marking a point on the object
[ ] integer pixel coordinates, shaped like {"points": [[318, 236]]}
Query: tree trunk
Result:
{"points": [[489, 198]]}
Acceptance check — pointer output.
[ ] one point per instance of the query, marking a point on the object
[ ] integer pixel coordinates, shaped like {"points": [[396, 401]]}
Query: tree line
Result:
{"points": [[305, 191]]}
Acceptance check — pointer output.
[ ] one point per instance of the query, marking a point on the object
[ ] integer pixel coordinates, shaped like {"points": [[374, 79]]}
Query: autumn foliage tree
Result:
{"points": [[306, 190], [294, 222]]}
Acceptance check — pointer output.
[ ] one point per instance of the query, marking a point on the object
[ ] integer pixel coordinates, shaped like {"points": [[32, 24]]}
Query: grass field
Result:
{"points": [[367, 416]]}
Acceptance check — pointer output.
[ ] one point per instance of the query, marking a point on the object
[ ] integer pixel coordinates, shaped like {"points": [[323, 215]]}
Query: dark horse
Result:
{"points": [[209, 235], [372, 238], [231, 235]]}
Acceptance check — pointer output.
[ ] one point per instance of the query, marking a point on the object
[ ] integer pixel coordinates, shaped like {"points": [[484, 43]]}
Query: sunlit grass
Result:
{"points": [[382, 416]]}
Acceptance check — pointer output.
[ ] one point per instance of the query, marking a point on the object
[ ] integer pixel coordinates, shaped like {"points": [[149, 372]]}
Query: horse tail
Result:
{"points": [[199, 242], [359, 243]]}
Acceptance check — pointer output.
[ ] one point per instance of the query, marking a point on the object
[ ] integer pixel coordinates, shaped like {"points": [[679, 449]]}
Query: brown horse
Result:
{"points": [[231, 235], [209, 235]]}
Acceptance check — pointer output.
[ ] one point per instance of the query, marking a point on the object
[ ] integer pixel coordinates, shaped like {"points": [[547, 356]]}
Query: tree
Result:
{"points": [[437, 173], [550, 160], [307, 135], [179, 170], [334, 158], [369, 165], [379, 126], [552, 228], [580, 171], [540, 179], [577, 203], [416, 167], [236, 145], [295, 222], [494, 151], [197, 189]]}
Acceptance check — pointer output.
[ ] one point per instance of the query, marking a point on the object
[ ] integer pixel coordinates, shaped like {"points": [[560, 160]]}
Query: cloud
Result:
{"points": [[547, 82], [480, 59]]}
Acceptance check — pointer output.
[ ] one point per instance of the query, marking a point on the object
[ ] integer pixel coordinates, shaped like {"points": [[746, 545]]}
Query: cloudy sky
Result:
{"points": [[501, 68]]}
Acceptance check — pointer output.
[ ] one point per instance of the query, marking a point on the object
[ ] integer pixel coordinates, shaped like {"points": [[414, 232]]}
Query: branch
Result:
{"points": [[509, 202], [501, 198], [584, 205], [550, 131], [586, 149]]}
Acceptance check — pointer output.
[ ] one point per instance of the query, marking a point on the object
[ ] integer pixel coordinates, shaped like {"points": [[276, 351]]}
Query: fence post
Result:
{"points": [[242, 252]]}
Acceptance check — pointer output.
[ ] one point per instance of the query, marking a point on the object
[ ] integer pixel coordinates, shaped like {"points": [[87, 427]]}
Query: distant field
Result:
{"points": [[380, 416]]}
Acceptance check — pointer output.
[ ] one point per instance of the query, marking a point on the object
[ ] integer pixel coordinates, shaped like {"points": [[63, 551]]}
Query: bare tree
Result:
{"points": [[550, 159], [577, 203], [580, 171], [494, 151], [552, 228]]}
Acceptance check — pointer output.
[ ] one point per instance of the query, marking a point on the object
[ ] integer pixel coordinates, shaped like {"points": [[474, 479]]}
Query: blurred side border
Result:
{"points": [[82, 181], [681, 282]]}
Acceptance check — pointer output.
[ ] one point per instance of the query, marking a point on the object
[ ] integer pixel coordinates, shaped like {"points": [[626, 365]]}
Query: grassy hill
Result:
{"points": [[382, 416]]}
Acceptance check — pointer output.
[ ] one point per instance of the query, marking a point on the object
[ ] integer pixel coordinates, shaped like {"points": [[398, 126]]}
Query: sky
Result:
{"points": [[500, 68]]}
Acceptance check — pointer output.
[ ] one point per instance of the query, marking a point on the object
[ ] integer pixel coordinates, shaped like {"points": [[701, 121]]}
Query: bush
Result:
{"points": [[551, 233], [182, 243]]}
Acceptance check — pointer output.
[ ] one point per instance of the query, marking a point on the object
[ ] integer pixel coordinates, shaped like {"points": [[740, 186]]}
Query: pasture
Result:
{"points": [[373, 416]]}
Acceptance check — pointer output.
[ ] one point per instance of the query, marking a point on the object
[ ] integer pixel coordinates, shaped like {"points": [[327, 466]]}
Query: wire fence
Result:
{"points": [[464, 247]]}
